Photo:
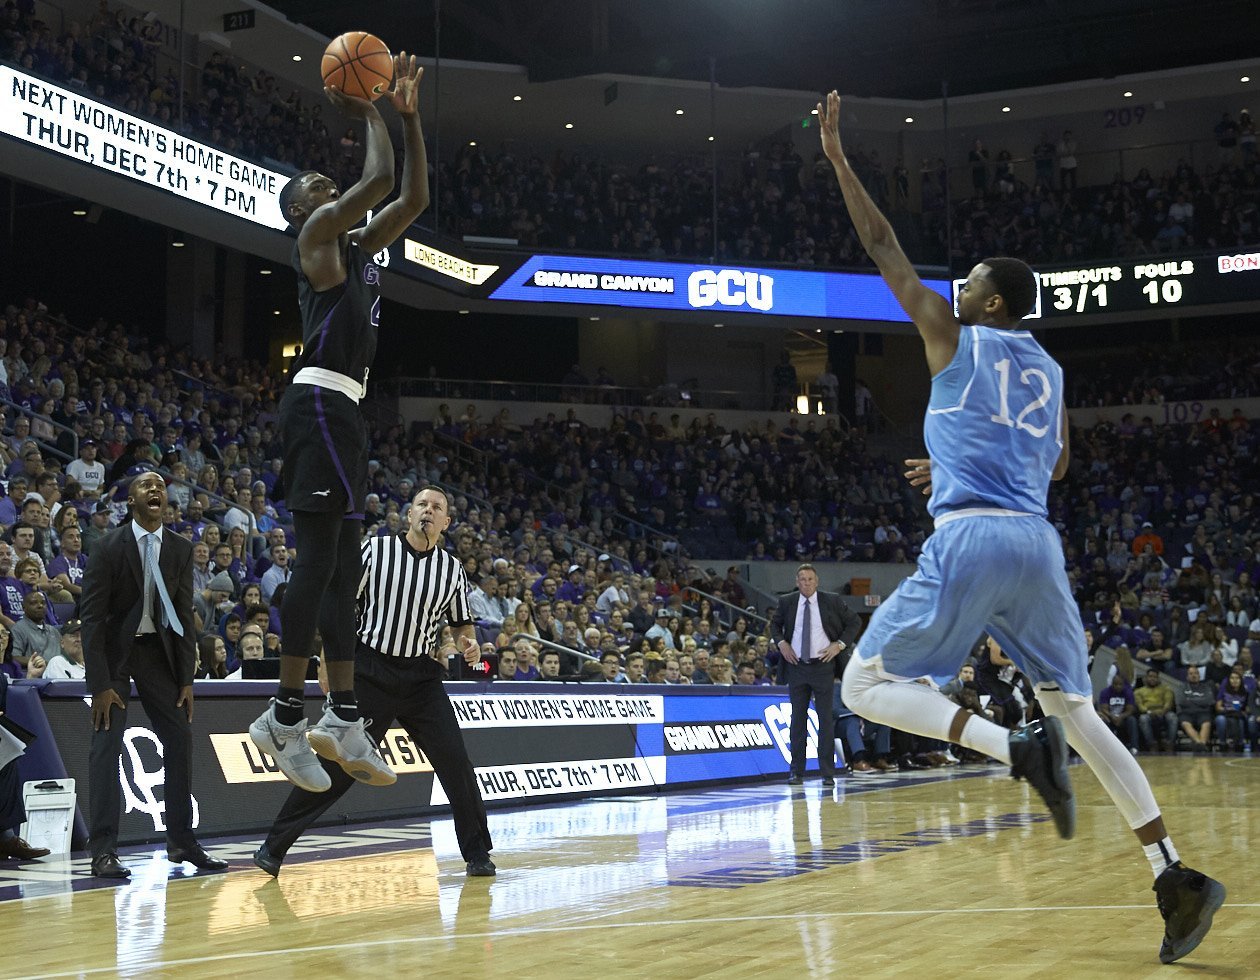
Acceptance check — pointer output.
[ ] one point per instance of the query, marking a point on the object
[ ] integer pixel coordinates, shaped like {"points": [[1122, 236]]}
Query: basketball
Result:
{"points": [[358, 64]]}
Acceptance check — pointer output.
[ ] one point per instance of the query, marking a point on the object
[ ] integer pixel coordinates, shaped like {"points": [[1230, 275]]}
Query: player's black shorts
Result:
{"points": [[325, 451]]}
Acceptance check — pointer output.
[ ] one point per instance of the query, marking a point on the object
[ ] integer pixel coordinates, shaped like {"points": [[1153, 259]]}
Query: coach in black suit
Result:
{"points": [[812, 632], [137, 618]]}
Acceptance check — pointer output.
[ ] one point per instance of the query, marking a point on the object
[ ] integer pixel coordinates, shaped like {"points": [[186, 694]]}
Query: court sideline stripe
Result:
{"points": [[534, 930]]}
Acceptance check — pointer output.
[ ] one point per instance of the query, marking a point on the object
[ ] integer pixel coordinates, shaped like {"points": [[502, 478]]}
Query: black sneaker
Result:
{"points": [[1187, 900], [268, 861], [1039, 753], [481, 867]]}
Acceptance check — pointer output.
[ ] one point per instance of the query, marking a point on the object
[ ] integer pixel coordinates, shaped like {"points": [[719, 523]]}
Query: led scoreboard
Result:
{"points": [[1143, 286]]}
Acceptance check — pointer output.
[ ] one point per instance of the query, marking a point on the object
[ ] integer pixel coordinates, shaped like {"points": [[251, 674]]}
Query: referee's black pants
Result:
{"points": [[409, 690]]}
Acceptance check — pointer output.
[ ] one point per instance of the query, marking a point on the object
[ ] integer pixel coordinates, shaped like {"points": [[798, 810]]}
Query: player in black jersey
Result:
{"points": [[324, 436]]}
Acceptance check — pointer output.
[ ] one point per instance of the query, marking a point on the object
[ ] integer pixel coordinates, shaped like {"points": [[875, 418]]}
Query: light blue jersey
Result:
{"points": [[994, 563], [994, 424]]}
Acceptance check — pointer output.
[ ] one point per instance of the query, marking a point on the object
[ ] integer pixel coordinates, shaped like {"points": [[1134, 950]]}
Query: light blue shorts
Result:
{"points": [[997, 574]]}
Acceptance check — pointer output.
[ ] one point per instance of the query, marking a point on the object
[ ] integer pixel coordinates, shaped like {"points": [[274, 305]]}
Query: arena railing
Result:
{"points": [[663, 397], [737, 610], [560, 648], [44, 446]]}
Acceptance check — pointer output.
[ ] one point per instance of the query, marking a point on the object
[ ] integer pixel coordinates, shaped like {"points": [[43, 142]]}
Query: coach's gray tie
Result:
{"points": [[806, 635], [153, 577]]}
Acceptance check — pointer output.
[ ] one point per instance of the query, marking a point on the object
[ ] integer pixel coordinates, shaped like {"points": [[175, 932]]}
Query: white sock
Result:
{"points": [[983, 736], [1161, 854]]}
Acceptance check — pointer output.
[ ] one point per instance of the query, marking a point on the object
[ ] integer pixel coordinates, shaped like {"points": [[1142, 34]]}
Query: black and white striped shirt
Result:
{"points": [[406, 595]]}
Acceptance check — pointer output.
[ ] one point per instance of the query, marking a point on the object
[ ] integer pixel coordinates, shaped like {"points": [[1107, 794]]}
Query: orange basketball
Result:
{"points": [[358, 64]]}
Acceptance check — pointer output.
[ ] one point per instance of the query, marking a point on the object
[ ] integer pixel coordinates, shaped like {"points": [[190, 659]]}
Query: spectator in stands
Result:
{"points": [[251, 647], [1157, 717], [526, 661], [33, 634], [506, 670], [548, 665], [278, 573], [1117, 708], [1232, 728], [720, 671], [211, 658], [87, 471], [66, 570], [635, 667], [1196, 702], [68, 665], [1197, 651]]}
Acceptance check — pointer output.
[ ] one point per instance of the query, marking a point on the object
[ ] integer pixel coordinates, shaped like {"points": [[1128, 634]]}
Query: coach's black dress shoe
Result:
{"points": [[794, 779], [107, 866], [268, 861], [829, 780], [195, 856]]}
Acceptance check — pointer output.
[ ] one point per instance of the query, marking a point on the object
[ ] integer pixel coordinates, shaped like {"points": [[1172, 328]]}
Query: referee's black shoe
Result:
{"points": [[1187, 900], [268, 861], [1039, 753], [480, 867]]}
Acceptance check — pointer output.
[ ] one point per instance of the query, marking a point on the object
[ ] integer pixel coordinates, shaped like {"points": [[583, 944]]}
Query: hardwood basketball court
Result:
{"points": [[938, 874]]}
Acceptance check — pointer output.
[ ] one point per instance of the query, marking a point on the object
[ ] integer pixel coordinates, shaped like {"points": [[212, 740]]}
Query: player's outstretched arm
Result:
{"points": [[393, 220], [332, 220], [928, 309]]}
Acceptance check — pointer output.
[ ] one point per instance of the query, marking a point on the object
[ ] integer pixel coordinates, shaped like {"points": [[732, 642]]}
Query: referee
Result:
{"points": [[409, 586]]}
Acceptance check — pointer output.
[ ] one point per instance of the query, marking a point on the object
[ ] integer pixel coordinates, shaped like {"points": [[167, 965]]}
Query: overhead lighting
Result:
{"points": [[1245, 78], [909, 119], [1006, 108], [79, 212], [463, 312], [718, 325], [568, 125], [177, 244], [275, 312], [678, 112], [264, 272], [1128, 95], [712, 138], [813, 112], [297, 57], [472, 142], [516, 98], [594, 319]]}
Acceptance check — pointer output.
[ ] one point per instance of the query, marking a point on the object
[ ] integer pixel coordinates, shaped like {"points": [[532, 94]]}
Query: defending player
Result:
{"points": [[325, 439], [996, 430]]}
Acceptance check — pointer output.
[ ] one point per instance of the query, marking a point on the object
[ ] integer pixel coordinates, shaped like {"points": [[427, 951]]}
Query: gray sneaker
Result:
{"points": [[348, 744], [288, 746]]}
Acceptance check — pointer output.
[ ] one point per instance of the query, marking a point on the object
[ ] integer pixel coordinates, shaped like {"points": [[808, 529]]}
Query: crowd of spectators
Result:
{"points": [[1029, 215], [774, 205], [569, 533], [1151, 375]]}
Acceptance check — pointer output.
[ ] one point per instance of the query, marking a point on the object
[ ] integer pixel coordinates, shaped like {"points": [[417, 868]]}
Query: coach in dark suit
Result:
{"points": [[138, 625], [812, 632]]}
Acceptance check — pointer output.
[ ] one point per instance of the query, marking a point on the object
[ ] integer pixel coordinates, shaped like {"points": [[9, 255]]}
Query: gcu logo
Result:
{"points": [[730, 287], [139, 783], [779, 721], [371, 274]]}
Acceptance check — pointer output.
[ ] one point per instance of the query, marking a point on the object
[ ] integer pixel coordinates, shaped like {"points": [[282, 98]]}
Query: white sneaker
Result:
{"points": [[288, 746], [348, 744]]}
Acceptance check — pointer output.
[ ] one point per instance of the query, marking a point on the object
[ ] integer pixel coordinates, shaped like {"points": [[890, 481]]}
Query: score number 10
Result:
{"points": [[1065, 298]]}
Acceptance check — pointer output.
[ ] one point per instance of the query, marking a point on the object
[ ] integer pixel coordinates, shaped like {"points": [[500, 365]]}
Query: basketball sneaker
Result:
{"points": [[1187, 900], [1039, 753], [288, 746], [348, 744]]}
